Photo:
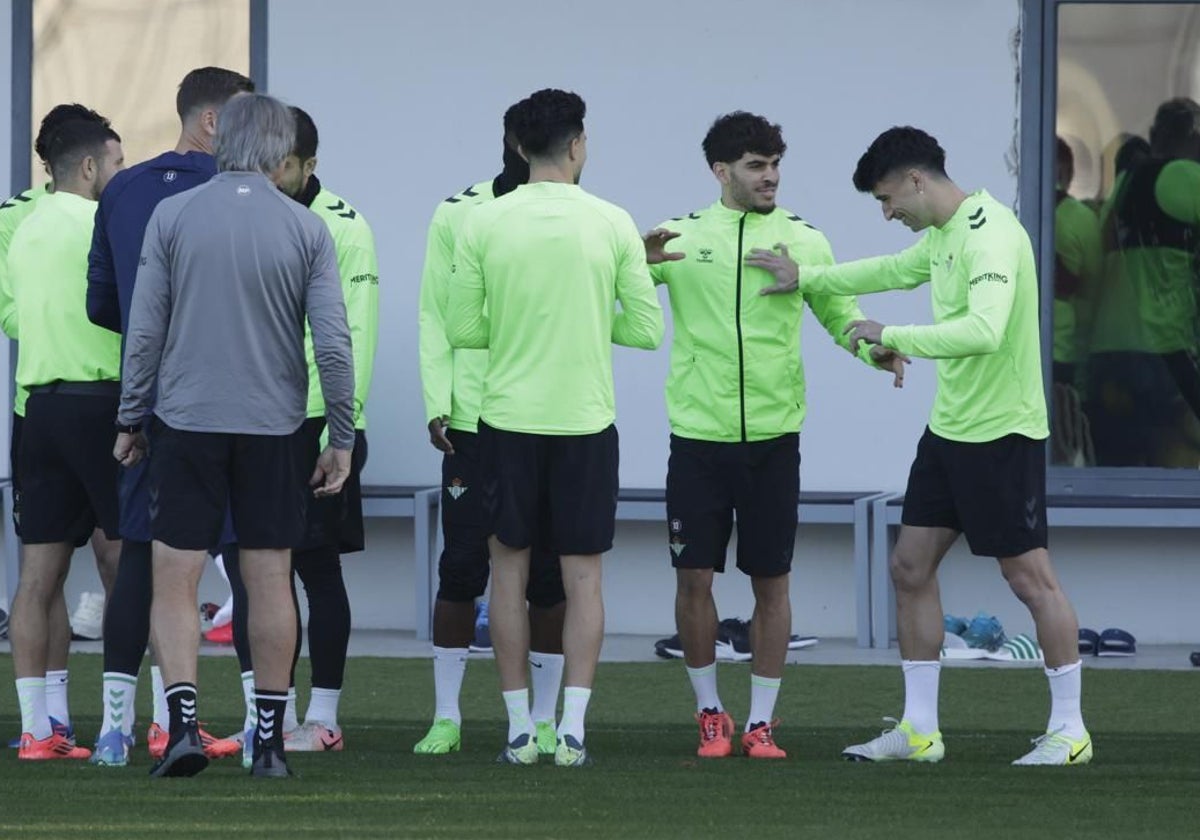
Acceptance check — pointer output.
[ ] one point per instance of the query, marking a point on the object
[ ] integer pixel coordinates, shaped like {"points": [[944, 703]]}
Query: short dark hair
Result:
{"points": [[740, 132], [307, 138], [901, 147], [546, 121], [209, 86], [1133, 150], [1175, 121], [58, 115], [73, 141]]}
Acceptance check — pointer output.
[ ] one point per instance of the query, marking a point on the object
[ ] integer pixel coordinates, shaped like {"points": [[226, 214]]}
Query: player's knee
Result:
{"points": [[1029, 583], [909, 570], [694, 584]]}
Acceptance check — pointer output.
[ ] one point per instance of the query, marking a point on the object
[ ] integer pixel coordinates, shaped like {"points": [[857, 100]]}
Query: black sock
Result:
{"points": [[181, 704], [271, 706]]}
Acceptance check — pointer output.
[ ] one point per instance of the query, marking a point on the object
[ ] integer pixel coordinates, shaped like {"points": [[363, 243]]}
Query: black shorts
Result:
{"points": [[14, 446], [994, 492], [67, 474], [558, 490], [463, 567], [708, 481], [196, 476], [334, 521]]}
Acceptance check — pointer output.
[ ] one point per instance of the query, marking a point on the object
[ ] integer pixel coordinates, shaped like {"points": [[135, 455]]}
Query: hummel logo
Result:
{"points": [[1031, 517], [706, 255], [977, 219]]}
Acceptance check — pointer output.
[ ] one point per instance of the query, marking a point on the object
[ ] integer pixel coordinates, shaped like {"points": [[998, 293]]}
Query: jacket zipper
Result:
{"points": [[737, 316]]}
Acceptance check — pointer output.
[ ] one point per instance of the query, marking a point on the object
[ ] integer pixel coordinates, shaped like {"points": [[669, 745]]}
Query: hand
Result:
{"points": [[782, 267], [437, 435], [656, 243], [869, 331], [332, 470], [129, 449], [888, 359]]}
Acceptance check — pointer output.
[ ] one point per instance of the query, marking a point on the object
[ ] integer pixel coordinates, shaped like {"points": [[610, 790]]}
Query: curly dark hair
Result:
{"points": [[901, 147], [73, 141], [55, 118], [547, 121], [307, 137], [740, 132]]}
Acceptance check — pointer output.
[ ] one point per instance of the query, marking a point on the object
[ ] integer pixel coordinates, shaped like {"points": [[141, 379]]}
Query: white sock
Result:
{"points": [[1066, 689], [119, 691], [162, 716], [921, 694], [546, 671], [519, 721], [323, 706], [449, 667], [56, 697], [704, 683], [575, 703], [290, 720], [31, 693], [763, 692], [251, 721]]}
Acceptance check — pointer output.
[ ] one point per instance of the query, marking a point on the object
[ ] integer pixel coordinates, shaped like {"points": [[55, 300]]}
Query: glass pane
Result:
{"points": [[125, 58], [1127, 230]]}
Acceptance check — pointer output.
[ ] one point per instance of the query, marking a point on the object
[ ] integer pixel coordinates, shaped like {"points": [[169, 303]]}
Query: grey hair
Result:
{"points": [[255, 133]]}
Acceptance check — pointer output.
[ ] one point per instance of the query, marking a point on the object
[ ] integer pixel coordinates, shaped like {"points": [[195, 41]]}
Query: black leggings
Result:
{"points": [[127, 615], [320, 570]]}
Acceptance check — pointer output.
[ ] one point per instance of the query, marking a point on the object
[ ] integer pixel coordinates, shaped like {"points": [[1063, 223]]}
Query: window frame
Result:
{"points": [[1039, 109]]}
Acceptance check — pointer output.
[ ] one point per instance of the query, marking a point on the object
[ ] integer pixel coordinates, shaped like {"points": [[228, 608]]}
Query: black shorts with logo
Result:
{"points": [[334, 520], [463, 567], [557, 490], [65, 467], [993, 492], [196, 476], [707, 482]]}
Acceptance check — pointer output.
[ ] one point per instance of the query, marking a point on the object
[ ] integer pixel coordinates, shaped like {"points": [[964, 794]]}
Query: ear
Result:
{"points": [[208, 121], [575, 148], [917, 177], [721, 170], [521, 152], [310, 166], [89, 168]]}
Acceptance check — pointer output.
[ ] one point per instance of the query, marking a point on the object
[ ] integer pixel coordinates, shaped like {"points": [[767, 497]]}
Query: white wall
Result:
{"points": [[409, 107]]}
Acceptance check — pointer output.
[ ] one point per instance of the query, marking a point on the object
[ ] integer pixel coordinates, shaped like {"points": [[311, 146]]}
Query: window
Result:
{"points": [[1120, 210]]}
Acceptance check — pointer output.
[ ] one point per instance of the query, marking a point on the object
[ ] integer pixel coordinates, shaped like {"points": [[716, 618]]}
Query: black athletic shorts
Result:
{"points": [[334, 520], [993, 492], [195, 476], [463, 567], [708, 481], [14, 446], [559, 490], [67, 474]]}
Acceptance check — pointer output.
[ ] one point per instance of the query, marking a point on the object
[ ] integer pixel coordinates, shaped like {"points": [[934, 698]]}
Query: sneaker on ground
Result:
{"points": [[183, 758], [66, 730], [444, 736], [570, 753], [669, 648], [1055, 748], [984, 632], [53, 747], [157, 739], [112, 749], [482, 643], [900, 743], [520, 750], [222, 634], [314, 736], [270, 763], [733, 640], [87, 622], [716, 733], [546, 737], [759, 741]]}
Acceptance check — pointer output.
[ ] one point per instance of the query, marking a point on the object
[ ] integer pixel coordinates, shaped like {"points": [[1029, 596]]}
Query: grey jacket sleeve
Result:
{"points": [[326, 310], [149, 318]]}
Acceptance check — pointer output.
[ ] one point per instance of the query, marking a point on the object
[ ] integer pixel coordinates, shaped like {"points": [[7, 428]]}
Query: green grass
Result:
{"points": [[646, 781]]}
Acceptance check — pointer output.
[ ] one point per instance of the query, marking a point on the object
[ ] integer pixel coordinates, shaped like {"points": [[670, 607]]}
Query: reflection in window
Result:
{"points": [[1127, 234]]}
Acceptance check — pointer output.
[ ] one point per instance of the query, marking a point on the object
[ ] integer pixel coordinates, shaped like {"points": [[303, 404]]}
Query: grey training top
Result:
{"points": [[229, 271]]}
